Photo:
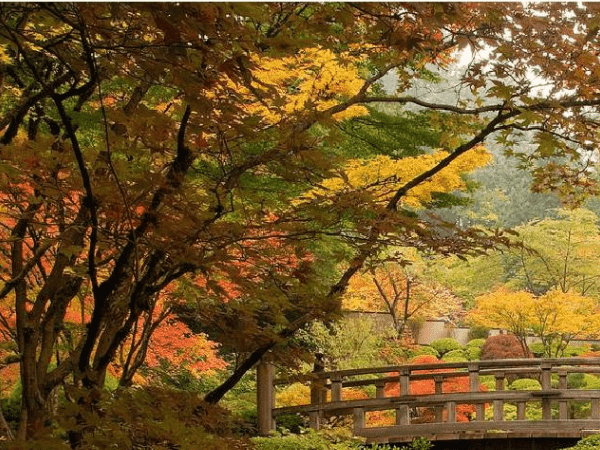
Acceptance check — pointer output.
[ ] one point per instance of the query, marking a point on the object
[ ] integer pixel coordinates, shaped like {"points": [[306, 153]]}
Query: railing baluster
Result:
{"points": [[336, 388], [402, 415], [405, 382], [451, 406], [499, 404], [546, 381], [563, 413], [596, 408], [445, 404], [521, 410], [379, 389], [474, 387], [359, 420], [439, 410]]}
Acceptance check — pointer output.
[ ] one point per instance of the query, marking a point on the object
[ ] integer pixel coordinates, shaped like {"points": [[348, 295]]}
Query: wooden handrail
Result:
{"points": [[444, 404]]}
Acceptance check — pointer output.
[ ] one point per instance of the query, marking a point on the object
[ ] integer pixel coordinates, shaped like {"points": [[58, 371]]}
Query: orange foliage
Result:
{"points": [[173, 341]]}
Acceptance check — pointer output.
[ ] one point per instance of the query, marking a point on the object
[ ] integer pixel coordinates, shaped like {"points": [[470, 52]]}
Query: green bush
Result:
{"points": [[335, 439], [591, 442], [525, 384], [425, 350], [473, 353], [455, 354], [582, 381], [573, 351], [445, 345], [533, 411], [478, 343]]}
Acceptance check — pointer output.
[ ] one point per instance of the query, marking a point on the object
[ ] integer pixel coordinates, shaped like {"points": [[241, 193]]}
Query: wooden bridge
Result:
{"points": [[566, 412]]}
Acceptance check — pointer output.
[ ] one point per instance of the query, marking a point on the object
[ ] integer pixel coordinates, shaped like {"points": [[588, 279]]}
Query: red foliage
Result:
{"points": [[502, 346], [426, 387]]}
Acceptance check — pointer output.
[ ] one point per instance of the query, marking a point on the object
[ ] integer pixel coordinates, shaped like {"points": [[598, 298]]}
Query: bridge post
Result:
{"points": [[318, 394], [546, 382], [379, 389], [562, 404], [404, 382], [474, 387], [402, 415], [265, 396], [336, 388], [596, 408], [499, 404], [439, 410], [316, 386]]}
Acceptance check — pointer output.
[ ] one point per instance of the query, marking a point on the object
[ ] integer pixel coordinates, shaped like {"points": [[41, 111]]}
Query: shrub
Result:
{"points": [[138, 418], [537, 349], [582, 381], [445, 345], [473, 353], [477, 343], [455, 356], [425, 350], [591, 442], [525, 384], [576, 350], [502, 346], [338, 439]]}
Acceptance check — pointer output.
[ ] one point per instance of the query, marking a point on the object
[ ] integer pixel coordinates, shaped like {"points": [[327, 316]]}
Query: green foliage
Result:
{"points": [[591, 442], [575, 350], [455, 355], [537, 349], [473, 353], [425, 350], [525, 384], [582, 381], [445, 345], [477, 342], [335, 439], [489, 381], [349, 343], [478, 332], [142, 418], [533, 411]]}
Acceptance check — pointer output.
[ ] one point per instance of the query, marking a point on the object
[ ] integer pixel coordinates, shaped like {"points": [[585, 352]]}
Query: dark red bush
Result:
{"points": [[502, 346]]}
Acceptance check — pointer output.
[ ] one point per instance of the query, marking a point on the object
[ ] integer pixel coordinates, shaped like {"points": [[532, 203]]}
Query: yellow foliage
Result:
{"points": [[293, 395], [554, 317], [382, 176], [312, 80]]}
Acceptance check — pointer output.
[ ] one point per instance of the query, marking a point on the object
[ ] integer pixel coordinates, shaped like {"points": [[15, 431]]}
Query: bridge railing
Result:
{"points": [[328, 399]]}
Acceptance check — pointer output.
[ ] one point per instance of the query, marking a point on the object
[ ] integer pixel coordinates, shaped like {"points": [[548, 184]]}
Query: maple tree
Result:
{"points": [[399, 292], [556, 317], [146, 145], [503, 346]]}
